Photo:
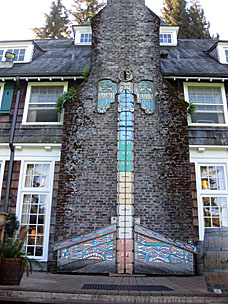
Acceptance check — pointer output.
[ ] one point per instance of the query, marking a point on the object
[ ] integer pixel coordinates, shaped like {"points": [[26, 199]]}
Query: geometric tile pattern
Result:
{"points": [[150, 250], [154, 235], [96, 249]]}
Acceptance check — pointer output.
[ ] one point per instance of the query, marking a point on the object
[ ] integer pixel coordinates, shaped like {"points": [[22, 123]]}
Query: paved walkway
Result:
{"points": [[43, 287]]}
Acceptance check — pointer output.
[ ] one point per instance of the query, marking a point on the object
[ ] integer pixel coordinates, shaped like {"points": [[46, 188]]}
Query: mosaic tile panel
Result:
{"points": [[97, 249], [150, 250], [145, 95], [157, 236], [107, 90]]}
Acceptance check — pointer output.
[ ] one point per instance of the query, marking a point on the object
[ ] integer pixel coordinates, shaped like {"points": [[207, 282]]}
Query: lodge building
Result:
{"points": [[123, 177]]}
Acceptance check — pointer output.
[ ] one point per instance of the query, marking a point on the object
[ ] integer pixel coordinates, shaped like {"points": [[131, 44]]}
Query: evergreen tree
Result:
{"points": [[192, 21], [85, 9], [175, 13], [56, 23], [199, 27]]}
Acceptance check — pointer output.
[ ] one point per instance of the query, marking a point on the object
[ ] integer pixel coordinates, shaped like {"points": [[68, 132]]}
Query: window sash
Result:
{"points": [[34, 206], [41, 103], [210, 102], [166, 38]]}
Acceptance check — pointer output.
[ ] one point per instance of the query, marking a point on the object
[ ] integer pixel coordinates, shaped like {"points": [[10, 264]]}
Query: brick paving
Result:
{"points": [[58, 288]]}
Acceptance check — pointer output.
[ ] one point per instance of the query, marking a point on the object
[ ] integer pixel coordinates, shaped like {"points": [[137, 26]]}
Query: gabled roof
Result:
{"points": [[60, 58], [191, 58]]}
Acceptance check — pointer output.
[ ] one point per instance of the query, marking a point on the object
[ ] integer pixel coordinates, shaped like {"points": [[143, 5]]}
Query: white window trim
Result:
{"points": [[221, 48], [173, 30], [2, 163], [223, 94], [210, 193], [81, 30], [2, 85], [28, 46], [23, 190], [27, 98]]}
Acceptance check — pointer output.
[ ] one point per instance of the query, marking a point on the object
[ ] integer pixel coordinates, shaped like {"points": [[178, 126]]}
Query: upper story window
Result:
{"points": [[168, 35], [22, 50], [86, 38], [82, 34], [165, 38], [210, 101], [226, 53], [40, 103], [19, 54]]}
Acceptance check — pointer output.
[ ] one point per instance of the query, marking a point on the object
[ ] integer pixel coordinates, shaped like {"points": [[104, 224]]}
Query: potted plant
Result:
{"points": [[14, 260]]}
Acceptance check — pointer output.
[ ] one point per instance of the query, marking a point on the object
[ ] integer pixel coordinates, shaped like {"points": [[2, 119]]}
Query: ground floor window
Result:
{"points": [[35, 205], [212, 196]]}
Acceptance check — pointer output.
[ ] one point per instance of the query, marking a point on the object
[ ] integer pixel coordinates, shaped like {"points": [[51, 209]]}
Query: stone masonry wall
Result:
{"points": [[125, 35]]}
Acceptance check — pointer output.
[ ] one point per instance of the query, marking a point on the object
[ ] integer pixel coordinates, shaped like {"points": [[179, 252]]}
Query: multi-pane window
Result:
{"points": [[86, 38], [19, 54], [226, 54], [165, 38], [213, 196], [1, 54], [209, 102], [35, 206], [41, 103]]}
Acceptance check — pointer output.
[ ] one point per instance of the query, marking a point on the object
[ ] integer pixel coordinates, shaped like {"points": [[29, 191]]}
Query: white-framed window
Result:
{"points": [[40, 103], [212, 189], [210, 102], [18, 53], [2, 166], [1, 92], [226, 54], [34, 205], [165, 38], [23, 50], [168, 35], [86, 38]]}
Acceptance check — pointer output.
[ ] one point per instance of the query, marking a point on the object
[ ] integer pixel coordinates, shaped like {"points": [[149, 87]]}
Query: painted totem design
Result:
{"points": [[107, 91]]}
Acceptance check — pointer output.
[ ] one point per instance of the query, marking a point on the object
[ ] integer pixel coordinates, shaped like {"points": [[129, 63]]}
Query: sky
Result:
{"points": [[18, 17]]}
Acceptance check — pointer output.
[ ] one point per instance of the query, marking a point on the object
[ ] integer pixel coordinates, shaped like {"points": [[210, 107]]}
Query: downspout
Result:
{"points": [[11, 146]]}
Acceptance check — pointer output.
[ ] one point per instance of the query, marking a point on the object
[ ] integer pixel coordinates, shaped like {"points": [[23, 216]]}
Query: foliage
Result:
{"points": [[68, 96], [86, 71], [56, 23], [192, 20], [12, 247], [12, 225], [84, 10], [191, 108]]}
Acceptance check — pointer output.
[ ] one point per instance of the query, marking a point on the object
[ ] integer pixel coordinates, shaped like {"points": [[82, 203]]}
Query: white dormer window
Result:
{"points": [[22, 50], [82, 34], [168, 35], [222, 52]]}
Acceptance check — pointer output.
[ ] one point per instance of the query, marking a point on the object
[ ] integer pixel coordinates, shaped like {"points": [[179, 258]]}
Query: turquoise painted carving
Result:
{"points": [[107, 90], [145, 95], [126, 166], [97, 249], [125, 145], [150, 250]]}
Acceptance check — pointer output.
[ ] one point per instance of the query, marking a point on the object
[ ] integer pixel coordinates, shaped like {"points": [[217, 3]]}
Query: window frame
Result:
{"points": [[22, 190], [27, 100], [2, 86], [2, 168], [224, 102], [166, 43], [208, 193]]}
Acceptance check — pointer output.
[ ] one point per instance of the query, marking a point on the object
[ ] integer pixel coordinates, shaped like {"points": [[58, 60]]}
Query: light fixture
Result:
{"points": [[10, 56]]}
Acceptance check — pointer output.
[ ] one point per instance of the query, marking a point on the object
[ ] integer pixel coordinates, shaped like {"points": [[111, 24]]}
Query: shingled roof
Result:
{"points": [[62, 58], [191, 58]]}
